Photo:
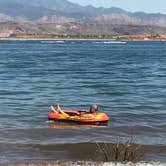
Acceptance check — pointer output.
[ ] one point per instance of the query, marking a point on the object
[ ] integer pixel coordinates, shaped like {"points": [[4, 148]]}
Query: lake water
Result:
{"points": [[126, 80]]}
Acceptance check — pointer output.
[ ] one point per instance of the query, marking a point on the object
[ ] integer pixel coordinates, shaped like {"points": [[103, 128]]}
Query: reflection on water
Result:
{"points": [[70, 125]]}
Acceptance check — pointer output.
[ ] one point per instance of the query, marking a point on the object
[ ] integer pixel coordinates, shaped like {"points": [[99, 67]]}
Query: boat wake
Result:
{"points": [[52, 41], [111, 42]]}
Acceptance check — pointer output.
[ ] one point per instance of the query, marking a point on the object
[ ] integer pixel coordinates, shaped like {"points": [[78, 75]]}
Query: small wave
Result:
{"points": [[112, 42], [52, 41], [161, 126], [47, 42], [60, 41]]}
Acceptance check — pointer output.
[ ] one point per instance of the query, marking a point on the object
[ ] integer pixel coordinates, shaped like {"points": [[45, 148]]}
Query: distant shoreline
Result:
{"points": [[59, 39], [77, 39], [122, 38]]}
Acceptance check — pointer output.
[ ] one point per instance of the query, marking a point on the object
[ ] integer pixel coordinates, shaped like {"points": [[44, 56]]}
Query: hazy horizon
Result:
{"points": [[148, 6]]}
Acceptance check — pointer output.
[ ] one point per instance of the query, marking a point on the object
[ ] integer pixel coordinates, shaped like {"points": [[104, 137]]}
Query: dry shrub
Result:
{"points": [[120, 152]]}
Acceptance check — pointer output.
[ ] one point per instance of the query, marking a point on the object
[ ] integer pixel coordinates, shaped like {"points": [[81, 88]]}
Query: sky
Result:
{"points": [[150, 6]]}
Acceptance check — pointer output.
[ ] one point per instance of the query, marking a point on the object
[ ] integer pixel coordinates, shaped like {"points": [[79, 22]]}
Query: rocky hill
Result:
{"points": [[64, 17]]}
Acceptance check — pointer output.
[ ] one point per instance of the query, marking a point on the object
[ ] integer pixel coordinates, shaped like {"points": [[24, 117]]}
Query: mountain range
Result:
{"points": [[65, 17]]}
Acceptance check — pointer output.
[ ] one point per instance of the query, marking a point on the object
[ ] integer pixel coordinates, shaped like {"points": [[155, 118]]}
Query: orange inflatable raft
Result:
{"points": [[77, 116]]}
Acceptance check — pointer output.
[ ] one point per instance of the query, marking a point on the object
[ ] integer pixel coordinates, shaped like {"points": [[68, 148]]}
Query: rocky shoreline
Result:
{"points": [[84, 37]]}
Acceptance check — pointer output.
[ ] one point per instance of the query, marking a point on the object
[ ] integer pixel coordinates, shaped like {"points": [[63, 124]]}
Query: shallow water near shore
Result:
{"points": [[127, 81]]}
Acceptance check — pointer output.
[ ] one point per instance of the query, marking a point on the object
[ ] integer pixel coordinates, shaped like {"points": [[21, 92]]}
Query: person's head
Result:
{"points": [[93, 108]]}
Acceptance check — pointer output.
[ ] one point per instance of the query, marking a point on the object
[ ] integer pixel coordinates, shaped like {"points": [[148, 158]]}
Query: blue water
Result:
{"points": [[126, 80]]}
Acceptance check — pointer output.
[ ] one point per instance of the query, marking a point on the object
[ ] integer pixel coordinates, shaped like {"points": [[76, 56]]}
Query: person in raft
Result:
{"points": [[93, 109]]}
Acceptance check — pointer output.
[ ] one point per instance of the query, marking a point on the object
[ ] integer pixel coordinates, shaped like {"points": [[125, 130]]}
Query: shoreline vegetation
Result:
{"points": [[124, 38]]}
